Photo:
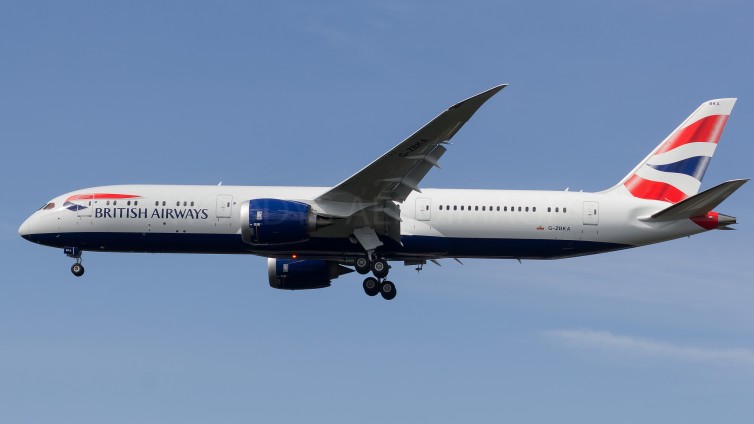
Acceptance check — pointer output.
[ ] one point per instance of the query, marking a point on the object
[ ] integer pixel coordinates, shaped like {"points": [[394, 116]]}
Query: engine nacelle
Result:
{"points": [[275, 221], [302, 274]]}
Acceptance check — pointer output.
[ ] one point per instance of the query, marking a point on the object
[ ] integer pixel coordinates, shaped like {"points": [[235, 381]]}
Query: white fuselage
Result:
{"points": [[435, 223]]}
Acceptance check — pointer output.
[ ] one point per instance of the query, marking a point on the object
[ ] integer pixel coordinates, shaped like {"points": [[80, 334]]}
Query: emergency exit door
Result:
{"points": [[591, 213]]}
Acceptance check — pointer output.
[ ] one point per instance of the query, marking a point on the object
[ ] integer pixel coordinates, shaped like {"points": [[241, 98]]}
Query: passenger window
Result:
{"points": [[108, 203], [163, 203], [136, 202], [440, 207], [461, 207], [192, 203], [128, 203], [484, 208], [455, 207], [505, 209], [519, 208], [534, 209], [498, 208], [557, 209], [564, 210], [178, 203], [549, 209], [527, 209], [115, 202], [476, 208]]}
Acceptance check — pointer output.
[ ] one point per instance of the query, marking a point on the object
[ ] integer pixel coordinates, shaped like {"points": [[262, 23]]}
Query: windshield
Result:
{"points": [[48, 206]]}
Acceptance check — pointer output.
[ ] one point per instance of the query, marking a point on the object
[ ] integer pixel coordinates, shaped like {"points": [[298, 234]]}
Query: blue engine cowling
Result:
{"points": [[302, 274], [275, 221]]}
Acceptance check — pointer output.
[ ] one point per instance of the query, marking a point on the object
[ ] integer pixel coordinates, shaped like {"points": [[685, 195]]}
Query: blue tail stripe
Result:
{"points": [[694, 167]]}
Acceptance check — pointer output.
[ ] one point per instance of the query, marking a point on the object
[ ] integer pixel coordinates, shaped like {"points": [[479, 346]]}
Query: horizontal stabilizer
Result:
{"points": [[699, 204]]}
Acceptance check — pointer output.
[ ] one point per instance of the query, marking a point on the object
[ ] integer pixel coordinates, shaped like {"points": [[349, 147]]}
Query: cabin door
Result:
{"points": [[423, 209], [224, 206]]}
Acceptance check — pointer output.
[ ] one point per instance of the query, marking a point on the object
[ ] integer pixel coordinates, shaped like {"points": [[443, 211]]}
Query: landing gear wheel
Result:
{"points": [[380, 268], [362, 265], [77, 269], [387, 290], [371, 286]]}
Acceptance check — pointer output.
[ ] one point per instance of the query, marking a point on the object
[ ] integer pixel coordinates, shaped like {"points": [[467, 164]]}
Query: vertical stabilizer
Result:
{"points": [[674, 170]]}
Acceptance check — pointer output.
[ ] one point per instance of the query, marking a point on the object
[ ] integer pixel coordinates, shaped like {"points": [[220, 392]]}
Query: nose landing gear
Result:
{"points": [[74, 252], [77, 269]]}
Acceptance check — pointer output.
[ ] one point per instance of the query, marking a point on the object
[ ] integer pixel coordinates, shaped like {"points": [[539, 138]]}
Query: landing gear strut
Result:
{"points": [[378, 283]]}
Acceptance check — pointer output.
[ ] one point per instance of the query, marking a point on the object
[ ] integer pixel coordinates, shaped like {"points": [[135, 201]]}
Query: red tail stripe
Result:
{"points": [[653, 190], [705, 130]]}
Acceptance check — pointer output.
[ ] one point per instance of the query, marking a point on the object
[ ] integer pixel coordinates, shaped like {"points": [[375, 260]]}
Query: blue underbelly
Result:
{"points": [[412, 246]]}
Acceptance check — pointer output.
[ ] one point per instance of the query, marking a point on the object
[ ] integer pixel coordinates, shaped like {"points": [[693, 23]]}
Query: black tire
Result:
{"points": [[77, 270], [380, 268], [371, 286], [387, 290], [362, 265]]}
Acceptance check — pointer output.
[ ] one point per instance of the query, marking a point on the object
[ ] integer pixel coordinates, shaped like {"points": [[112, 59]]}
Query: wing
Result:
{"points": [[397, 173]]}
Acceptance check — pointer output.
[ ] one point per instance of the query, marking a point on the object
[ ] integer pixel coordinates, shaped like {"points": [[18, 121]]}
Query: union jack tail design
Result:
{"points": [[674, 170]]}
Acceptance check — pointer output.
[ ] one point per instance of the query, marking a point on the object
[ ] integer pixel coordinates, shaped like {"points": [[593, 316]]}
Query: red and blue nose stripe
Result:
{"points": [[94, 196]]}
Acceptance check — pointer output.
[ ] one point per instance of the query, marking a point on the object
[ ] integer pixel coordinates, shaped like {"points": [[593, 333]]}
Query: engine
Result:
{"points": [[298, 274], [275, 221]]}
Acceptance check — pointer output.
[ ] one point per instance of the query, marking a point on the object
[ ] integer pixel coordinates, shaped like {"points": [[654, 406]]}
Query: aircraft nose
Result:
{"points": [[25, 229]]}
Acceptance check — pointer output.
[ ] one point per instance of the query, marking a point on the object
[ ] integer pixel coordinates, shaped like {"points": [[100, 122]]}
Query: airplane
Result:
{"points": [[312, 235]]}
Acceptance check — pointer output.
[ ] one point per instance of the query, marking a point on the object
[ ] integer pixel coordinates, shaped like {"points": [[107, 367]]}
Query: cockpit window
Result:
{"points": [[48, 206]]}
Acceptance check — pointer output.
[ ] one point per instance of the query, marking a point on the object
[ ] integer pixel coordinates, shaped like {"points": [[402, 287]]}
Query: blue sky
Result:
{"points": [[306, 93]]}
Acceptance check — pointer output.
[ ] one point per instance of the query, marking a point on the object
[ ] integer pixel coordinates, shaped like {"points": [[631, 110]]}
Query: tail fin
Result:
{"points": [[674, 170]]}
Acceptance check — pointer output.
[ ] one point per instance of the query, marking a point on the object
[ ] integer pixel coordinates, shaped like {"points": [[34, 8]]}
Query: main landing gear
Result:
{"points": [[372, 286], [74, 252], [376, 284]]}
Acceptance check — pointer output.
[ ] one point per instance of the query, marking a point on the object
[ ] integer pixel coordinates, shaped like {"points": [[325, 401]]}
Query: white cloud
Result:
{"points": [[607, 341]]}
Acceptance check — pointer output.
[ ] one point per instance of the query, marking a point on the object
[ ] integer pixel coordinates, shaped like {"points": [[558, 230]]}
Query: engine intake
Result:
{"points": [[297, 274], [275, 221]]}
